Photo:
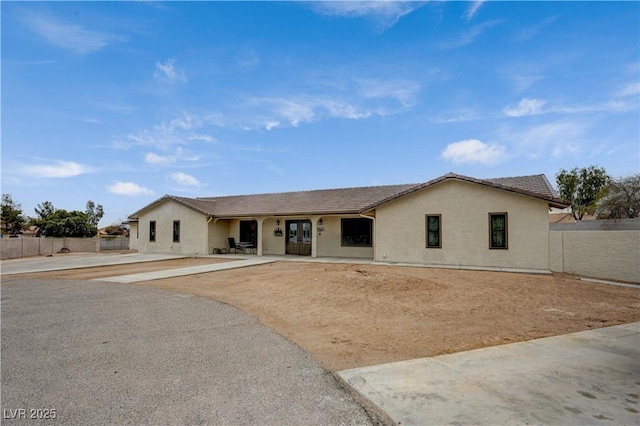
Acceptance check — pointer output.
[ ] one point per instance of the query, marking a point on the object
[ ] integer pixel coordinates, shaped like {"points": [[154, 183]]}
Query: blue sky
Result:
{"points": [[123, 102]]}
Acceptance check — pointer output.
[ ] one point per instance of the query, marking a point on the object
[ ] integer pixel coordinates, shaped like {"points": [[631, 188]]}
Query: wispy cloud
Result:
{"points": [[467, 37], [528, 33], [167, 73], [130, 189], [631, 89], [69, 36], [473, 9], [473, 151], [456, 116], [384, 13], [57, 169], [153, 158], [184, 179], [525, 107], [553, 139], [528, 107]]}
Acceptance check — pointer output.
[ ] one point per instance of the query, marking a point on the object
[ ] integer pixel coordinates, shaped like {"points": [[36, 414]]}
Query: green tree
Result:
{"points": [[582, 187], [94, 213], [620, 199], [62, 223], [45, 209], [12, 220]]}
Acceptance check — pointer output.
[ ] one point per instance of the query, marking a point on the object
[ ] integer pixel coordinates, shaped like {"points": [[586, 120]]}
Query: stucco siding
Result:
{"points": [[464, 208], [272, 244], [330, 242], [133, 236], [218, 234], [193, 230]]}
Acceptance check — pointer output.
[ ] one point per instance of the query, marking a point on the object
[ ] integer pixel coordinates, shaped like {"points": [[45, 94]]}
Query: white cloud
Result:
{"points": [[271, 124], [385, 13], [69, 36], [153, 158], [184, 179], [473, 151], [167, 73], [525, 107], [128, 188], [473, 9], [60, 169]]}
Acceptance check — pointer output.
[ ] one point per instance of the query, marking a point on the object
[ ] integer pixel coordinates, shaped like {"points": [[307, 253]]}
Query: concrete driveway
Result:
{"points": [[107, 353], [585, 378]]}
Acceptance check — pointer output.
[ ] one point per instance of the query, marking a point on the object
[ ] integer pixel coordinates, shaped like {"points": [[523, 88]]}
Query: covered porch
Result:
{"points": [[314, 236]]}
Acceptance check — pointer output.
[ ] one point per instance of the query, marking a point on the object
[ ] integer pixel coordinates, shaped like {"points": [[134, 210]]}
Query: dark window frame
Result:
{"points": [[505, 232], [427, 230], [152, 231], [176, 235], [355, 243]]}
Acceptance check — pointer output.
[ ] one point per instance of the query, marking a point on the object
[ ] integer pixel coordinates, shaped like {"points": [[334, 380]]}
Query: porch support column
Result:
{"points": [[314, 235], [260, 221]]}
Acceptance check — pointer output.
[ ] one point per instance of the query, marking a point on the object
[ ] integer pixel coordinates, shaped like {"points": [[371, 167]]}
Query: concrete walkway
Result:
{"points": [[586, 378], [191, 270], [28, 265]]}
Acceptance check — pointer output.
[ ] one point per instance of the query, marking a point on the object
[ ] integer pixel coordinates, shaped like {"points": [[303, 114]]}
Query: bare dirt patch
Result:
{"points": [[124, 269], [355, 315]]}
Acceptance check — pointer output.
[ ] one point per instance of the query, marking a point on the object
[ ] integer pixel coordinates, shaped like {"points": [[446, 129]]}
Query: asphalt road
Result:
{"points": [[95, 353]]}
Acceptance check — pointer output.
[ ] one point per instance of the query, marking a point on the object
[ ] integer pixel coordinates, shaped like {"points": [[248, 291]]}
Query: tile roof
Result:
{"points": [[346, 200]]}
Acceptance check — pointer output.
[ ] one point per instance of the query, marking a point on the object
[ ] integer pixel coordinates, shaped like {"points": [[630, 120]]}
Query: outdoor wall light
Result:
{"points": [[320, 222], [277, 222]]}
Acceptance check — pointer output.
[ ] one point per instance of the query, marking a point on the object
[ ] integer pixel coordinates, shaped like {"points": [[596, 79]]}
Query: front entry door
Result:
{"points": [[299, 237]]}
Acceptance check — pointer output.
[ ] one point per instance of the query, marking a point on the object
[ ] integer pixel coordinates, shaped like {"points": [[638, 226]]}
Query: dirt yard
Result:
{"points": [[355, 315]]}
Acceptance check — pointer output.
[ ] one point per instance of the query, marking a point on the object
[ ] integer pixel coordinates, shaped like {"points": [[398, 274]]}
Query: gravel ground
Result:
{"points": [[104, 353]]}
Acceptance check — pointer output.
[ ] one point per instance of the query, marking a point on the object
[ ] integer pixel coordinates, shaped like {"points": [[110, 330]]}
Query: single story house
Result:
{"points": [[452, 220]]}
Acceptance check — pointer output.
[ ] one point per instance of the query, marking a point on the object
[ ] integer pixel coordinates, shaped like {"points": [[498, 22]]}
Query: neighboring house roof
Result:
{"points": [[561, 218], [345, 200]]}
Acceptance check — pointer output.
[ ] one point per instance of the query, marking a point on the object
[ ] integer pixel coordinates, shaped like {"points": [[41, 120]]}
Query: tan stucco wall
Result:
{"points": [[609, 255], [330, 242], [133, 236], [193, 230], [270, 243], [218, 233], [465, 208]]}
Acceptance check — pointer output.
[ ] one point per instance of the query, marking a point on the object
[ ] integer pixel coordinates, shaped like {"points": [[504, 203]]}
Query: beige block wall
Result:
{"points": [[13, 248], [193, 230], [465, 208], [607, 254]]}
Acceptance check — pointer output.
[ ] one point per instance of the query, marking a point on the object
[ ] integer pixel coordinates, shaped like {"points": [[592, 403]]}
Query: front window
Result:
{"points": [[356, 232], [152, 231], [498, 231], [176, 231], [434, 234]]}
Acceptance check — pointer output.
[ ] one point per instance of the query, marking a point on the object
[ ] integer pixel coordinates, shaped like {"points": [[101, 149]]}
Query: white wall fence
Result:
{"points": [[12, 248], [604, 249]]}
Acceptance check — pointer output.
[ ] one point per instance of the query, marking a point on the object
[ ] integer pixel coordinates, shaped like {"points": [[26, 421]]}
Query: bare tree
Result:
{"points": [[621, 199]]}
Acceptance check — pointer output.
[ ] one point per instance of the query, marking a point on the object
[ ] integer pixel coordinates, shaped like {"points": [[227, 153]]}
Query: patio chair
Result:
{"points": [[232, 245]]}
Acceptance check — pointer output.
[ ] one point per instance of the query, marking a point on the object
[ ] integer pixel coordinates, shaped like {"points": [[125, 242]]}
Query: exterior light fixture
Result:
{"points": [[320, 222]]}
